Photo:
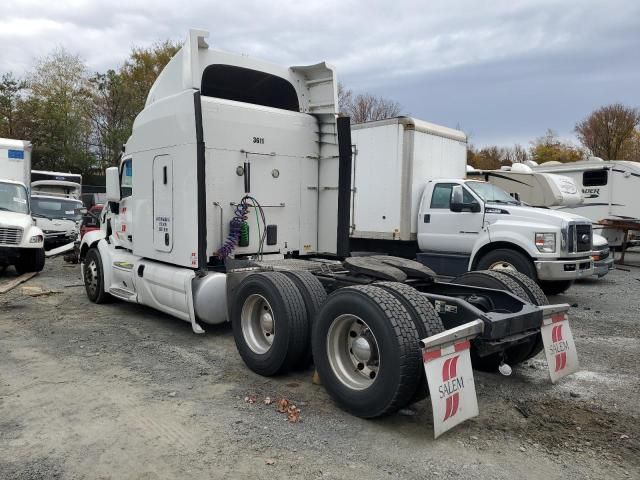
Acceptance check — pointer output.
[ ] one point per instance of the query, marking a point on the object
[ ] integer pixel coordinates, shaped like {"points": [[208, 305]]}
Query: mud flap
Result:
{"points": [[559, 347], [447, 364]]}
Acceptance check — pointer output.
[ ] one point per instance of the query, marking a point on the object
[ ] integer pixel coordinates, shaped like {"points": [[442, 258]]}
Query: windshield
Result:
{"points": [[491, 194], [56, 208], [13, 198]]}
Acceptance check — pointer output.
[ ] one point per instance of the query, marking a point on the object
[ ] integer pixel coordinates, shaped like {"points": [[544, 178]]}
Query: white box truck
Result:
{"points": [[411, 198], [21, 241], [231, 203]]}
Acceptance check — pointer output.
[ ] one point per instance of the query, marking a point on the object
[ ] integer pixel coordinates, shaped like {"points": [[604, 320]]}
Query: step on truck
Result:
{"points": [[231, 204], [411, 198]]}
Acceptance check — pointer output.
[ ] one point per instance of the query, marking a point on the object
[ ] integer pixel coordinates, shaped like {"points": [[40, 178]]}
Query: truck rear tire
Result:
{"points": [[94, 277], [555, 287], [512, 355], [425, 318], [31, 260], [314, 296], [507, 259], [270, 323], [366, 351]]}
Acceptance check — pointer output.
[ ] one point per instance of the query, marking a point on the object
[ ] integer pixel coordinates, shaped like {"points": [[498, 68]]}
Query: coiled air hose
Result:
{"points": [[237, 230]]}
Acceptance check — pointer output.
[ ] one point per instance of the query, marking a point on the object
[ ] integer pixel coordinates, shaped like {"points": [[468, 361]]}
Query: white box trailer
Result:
{"points": [[392, 160], [15, 160]]}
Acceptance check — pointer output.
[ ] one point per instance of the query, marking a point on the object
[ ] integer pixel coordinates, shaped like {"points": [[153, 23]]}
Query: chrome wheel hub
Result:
{"points": [[502, 265], [353, 352], [258, 323]]}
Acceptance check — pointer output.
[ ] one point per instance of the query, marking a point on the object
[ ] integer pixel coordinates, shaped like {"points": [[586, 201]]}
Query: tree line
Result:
{"points": [[78, 121], [611, 132]]}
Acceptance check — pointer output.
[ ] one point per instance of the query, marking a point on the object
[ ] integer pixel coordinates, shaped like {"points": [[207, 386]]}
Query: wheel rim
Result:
{"points": [[258, 323], [502, 265], [91, 277], [353, 352]]}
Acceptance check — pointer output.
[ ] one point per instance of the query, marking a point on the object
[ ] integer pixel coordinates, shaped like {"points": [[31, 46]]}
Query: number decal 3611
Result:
{"points": [[258, 140]]}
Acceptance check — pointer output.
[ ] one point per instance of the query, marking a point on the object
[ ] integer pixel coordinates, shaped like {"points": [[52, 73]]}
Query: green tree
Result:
{"points": [[11, 91], [607, 130], [58, 106], [549, 148]]}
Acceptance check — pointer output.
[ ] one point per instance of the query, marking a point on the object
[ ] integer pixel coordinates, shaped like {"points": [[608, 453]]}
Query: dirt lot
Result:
{"points": [[121, 391]]}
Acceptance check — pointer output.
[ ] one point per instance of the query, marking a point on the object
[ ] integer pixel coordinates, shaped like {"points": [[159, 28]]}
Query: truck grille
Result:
{"points": [[10, 236], [580, 238]]}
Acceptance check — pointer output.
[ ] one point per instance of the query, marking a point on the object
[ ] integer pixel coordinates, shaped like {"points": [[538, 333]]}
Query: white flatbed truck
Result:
{"points": [[231, 204]]}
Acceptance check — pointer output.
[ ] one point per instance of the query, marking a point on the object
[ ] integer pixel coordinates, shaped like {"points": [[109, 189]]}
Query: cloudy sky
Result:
{"points": [[504, 71]]}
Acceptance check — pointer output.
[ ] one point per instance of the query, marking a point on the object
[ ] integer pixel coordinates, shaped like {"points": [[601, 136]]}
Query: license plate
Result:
{"points": [[559, 347], [451, 386]]}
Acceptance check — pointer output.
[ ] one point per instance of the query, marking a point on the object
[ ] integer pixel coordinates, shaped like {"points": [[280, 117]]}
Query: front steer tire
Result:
{"points": [[270, 323], [31, 260], [504, 258], [94, 277], [393, 338]]}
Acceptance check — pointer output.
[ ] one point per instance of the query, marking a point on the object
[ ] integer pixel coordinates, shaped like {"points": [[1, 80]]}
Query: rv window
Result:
{"points": [[595, 178], [249, 86]]}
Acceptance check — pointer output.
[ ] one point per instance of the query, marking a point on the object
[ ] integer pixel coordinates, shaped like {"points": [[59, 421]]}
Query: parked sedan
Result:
{"points": [[602, 256]]}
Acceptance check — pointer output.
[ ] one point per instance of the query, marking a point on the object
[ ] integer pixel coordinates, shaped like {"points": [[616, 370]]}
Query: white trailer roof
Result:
{"points": [[10, 143], [417, 125]]}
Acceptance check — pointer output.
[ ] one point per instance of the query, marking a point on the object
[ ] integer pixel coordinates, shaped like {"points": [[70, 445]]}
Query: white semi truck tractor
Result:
{"points": [[231, 204], [411, 198], [21, 241]]}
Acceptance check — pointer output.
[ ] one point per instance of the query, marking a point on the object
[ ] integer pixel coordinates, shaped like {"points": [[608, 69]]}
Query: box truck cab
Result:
{"points": [[410, 198], [21, 241], [469, 224]]}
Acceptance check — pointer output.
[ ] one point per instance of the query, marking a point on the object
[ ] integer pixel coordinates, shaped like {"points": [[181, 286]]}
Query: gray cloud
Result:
{"points": [[504, 71]]}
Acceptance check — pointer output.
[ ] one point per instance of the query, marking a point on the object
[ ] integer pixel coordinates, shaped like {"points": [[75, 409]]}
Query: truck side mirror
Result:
{"points": [[113, 184], [457, 201]]}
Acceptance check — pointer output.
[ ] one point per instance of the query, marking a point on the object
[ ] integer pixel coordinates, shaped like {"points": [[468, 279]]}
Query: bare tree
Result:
{"points": [[606, 130], [365, 107]]}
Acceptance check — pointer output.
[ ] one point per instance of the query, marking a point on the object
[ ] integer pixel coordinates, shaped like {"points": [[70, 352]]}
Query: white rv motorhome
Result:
{"points": [[533, 188], [21, 241], [231, 203], [610, 190]]}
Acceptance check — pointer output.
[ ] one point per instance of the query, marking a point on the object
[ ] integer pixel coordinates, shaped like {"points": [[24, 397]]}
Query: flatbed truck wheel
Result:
{"points": [[512, 355], [94, 277], [314, 296], [425, 318], [270, 323], [366, 351]]}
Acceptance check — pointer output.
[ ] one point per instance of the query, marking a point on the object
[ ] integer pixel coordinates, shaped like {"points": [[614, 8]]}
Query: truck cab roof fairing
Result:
{"points": [[313, 84]]}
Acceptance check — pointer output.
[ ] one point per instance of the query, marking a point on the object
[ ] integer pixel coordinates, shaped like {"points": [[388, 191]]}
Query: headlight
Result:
{"points": [[36, 239], [546, 242]]}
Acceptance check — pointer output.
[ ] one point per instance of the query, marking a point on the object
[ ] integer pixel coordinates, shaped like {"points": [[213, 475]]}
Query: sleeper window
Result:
{"points": [[126, 179]]}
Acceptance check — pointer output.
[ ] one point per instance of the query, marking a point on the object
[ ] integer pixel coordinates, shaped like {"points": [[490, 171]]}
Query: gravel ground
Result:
{"points": [[121, 391]]}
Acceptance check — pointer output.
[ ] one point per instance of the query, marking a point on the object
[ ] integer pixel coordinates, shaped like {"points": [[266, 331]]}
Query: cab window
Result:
{"points": [[126, 179], [441, 197]]}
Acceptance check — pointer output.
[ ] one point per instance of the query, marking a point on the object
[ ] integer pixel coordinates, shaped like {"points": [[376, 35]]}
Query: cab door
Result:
{"points": [[163, 203], [442, 230]]}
